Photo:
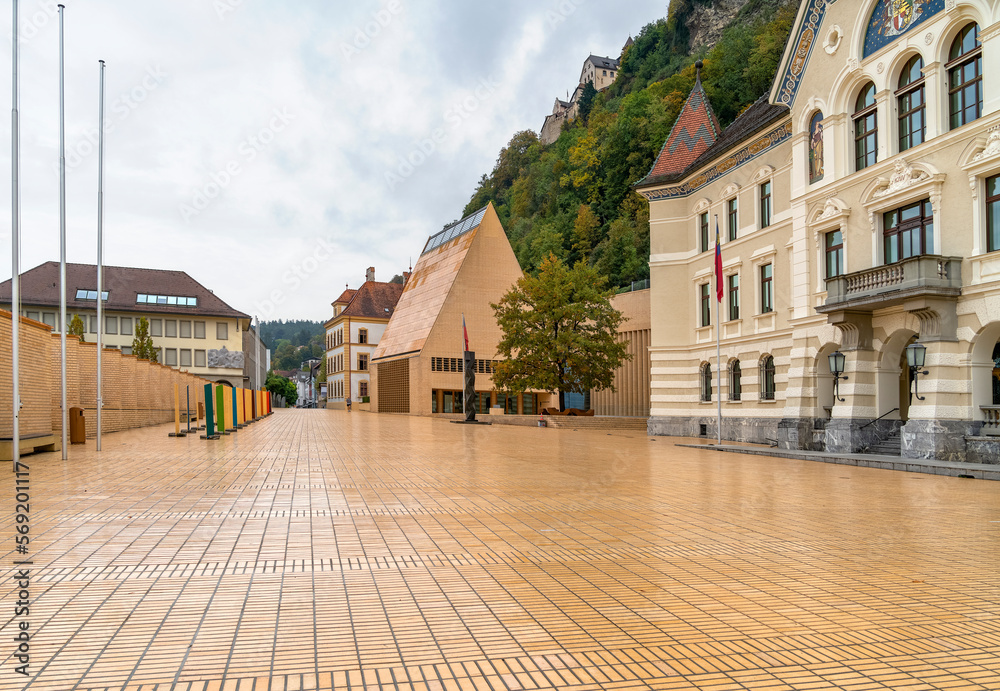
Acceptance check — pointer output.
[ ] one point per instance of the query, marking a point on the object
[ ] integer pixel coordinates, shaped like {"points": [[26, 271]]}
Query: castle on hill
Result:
{"points": [[601, 72]]}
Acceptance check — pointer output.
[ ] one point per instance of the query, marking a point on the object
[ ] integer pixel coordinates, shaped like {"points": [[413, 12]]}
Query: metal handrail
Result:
{"points": [[878, 418]]}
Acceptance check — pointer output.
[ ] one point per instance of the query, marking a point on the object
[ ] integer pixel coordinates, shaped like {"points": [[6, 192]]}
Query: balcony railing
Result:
{"points": [[884, 286], [991, 420]]}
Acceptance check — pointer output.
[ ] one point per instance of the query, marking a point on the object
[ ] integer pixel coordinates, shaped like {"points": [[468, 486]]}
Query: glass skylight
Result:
{"points": [[453, 231]]}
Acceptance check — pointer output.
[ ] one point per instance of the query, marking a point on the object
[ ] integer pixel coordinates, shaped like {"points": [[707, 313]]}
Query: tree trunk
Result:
{"points": [[562, 400]]}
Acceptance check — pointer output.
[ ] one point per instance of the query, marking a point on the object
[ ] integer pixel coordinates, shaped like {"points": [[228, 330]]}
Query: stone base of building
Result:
{"points": [[856, 435], [943, 440], [982, 450], [736, 429]]}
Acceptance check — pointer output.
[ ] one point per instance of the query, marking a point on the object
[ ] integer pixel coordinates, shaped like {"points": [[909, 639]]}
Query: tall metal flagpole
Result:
{"points": [[62, 229], [100, 253], [15, 234], [718, 326]]}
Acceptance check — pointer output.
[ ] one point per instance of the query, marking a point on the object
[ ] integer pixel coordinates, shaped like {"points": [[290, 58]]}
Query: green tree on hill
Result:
{"points": [[559, 332]]}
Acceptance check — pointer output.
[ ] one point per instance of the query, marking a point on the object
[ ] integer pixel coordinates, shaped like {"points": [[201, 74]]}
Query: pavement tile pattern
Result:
{"points": [[331, 550]]}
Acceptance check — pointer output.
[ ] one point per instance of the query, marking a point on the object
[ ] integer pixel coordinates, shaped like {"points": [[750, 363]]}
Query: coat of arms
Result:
{"points": [[901, 14]]}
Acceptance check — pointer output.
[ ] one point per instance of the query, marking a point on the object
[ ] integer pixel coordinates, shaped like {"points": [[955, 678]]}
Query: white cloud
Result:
{"points": [[289, 115]]}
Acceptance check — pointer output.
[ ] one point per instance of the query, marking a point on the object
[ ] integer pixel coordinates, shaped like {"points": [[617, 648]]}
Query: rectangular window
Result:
{"points": [[993, 214], [170, 328], [185, 329], [733, 222], [703, 228], [766, 289], [834, 254], [49, 319], [363, 362], [199, 358], [31, 315], [126, 326], [362, 335], [765, 204], [199, 329], [156, 327], [111, 325], [185, 357], [170, 357], [93, 325], [363, 389], [222, 331], [733, 283], [126, 350], [908, 232], [705, 301]]}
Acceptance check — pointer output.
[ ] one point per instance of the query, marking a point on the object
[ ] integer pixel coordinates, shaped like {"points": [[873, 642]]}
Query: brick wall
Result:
{"points": [[136, 393]]}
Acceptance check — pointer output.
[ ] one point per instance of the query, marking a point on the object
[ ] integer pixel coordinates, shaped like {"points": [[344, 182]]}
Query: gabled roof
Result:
{"points": [[755, 118], [374, 300], [694, 131], [430, 283], [40, 286], [602, 62]]}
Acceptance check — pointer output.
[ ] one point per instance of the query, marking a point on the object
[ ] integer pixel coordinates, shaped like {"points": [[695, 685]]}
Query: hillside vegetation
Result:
{"points": [[574, 198]]}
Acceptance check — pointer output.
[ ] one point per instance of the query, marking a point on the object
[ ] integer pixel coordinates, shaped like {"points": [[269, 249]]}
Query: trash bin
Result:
{"points": [[77, 426]]}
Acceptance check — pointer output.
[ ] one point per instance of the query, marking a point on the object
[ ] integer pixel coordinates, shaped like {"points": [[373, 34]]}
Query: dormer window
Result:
{"points": [[83, 294]]}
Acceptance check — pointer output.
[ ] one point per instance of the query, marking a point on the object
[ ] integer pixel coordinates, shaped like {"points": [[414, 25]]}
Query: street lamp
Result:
{"points": [[837, 370], [916, 353]]}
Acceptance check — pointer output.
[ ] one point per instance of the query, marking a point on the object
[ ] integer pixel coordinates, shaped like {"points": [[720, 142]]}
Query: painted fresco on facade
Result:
{"points": [[816, 147], [893, 18]]}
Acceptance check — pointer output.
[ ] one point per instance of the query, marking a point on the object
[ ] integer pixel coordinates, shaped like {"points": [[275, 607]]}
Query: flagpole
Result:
{"points": [[62, 230], [100, 253], [718, 326], [15, 234]]}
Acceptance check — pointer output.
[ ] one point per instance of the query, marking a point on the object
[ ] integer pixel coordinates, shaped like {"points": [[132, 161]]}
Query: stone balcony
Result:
{"points": [[926, 276]]}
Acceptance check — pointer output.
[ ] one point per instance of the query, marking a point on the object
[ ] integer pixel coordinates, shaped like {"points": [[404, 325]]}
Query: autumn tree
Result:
{"points": [[142, 342], [559, 332]]}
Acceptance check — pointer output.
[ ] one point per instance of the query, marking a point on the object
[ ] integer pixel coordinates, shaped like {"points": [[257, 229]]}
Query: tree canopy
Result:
{"points": [[142, 342], [559, 332], [282, 387]]}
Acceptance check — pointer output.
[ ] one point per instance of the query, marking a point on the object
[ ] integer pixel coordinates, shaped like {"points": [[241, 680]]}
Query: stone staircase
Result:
{"points": [[892, 446], [609, 424]]}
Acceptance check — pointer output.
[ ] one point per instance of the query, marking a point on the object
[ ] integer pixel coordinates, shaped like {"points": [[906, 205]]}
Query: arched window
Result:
{"points": [[767, 378], [996, 374], [865, 128], [965, 77], [706, 382], [910, 100], [816, 147], [735, 383]]}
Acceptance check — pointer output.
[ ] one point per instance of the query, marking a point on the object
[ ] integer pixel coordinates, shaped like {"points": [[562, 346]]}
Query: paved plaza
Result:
{"points": [[320, 549]]}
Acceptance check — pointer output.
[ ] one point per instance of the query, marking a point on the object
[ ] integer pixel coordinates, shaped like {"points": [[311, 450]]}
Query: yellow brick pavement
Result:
{"points": [[320, 549]]}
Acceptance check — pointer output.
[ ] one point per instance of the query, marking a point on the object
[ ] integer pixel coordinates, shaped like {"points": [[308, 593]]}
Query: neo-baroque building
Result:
{"points": [[858, 210]]}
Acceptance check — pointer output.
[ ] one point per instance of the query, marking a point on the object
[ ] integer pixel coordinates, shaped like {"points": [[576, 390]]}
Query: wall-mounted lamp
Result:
{"points": [[916, 353], [837, 370]]}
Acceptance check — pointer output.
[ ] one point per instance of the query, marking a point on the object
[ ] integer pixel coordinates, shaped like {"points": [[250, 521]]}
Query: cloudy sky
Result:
{"points": [[275, 149]]}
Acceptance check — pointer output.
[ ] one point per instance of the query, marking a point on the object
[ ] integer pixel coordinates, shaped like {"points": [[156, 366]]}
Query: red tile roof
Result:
{"points": [[345, 297], [374, 300], [695, 129]]}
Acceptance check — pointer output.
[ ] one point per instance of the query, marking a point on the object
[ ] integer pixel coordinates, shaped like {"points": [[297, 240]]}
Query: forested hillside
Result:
{"points": [[574, 197]]}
